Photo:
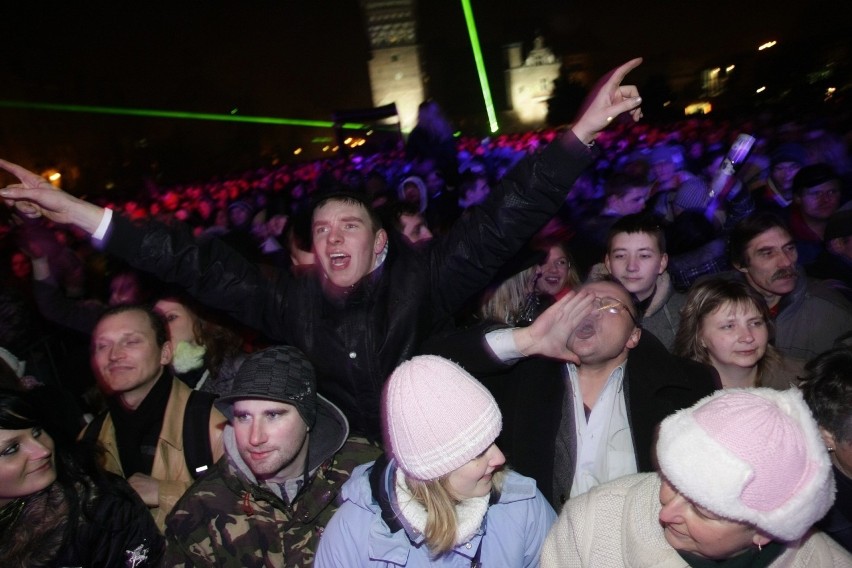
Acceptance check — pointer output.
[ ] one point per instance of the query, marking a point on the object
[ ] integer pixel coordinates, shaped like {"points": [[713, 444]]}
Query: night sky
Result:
{"points": [[306, 59], [301, 59]]}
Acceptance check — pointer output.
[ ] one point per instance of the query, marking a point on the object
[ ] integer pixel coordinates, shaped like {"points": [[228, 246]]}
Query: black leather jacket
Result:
{"points": [[357, 342]]}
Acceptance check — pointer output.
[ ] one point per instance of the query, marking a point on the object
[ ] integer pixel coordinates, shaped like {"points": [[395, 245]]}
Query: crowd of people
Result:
{"points": [[599, 346]]}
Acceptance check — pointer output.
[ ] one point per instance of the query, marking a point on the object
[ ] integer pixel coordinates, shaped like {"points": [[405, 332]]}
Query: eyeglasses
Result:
{"points": [[612, 306]]}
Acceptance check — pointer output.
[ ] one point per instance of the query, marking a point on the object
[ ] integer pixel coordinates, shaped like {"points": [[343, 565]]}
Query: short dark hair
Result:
{"points": [[619, 184], [158, 324], [638, 223], [827, 388], [747, 230], [392, 213], [349, 198]]}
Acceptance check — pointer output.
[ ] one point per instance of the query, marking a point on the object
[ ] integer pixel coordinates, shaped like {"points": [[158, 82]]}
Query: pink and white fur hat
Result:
{"points": [[753, 456]]}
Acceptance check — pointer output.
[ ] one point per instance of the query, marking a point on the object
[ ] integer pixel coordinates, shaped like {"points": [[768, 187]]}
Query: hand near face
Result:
{"points": [[547, 335]]}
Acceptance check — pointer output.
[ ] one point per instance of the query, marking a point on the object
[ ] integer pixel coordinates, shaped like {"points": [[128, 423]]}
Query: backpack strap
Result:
{"points": [[94, 429], [196, 433], [381, 486]]}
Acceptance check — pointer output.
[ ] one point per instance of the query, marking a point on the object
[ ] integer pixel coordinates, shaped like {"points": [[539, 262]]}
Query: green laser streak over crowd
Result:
{"points": [[480, 65], [179, 114]]}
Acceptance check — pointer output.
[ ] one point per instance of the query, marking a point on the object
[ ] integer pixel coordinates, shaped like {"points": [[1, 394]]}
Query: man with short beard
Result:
{"points": [[287, 455], [808, 315]]}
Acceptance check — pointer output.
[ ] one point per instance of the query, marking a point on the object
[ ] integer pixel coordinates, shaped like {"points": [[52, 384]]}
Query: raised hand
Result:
{"points": [[548, 334], [35, 197], [608, 99]]}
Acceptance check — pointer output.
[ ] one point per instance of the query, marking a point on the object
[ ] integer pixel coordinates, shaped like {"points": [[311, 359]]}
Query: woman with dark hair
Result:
{"points": [[207, 354], [57, 508], [827, 387], [726, 324]]}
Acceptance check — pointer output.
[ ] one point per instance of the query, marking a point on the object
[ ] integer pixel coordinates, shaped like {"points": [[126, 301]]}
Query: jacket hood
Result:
{"points": [[328, 435], [421, 188]]}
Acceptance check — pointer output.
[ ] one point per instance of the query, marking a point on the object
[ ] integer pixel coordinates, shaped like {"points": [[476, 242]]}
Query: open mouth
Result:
{"points": [[585, 331], [338, 259]]}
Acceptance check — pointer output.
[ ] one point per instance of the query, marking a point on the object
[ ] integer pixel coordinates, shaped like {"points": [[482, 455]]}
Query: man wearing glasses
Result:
{"points": [[581, 389]]}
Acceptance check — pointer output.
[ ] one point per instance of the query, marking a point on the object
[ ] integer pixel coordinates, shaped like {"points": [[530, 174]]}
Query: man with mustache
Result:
{"points": [[581, 389], [809, 316]]}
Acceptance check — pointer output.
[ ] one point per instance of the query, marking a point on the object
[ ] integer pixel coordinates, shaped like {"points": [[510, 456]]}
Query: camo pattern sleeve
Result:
{"points": [[226, 520]]}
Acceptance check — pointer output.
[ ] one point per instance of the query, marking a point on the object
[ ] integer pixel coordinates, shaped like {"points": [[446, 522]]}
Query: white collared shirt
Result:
{"points": [[604, 443]]}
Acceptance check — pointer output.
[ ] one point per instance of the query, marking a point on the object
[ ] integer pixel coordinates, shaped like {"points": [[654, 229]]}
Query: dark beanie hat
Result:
{"points": [[281, 374], [789, 153], [813, 175]]}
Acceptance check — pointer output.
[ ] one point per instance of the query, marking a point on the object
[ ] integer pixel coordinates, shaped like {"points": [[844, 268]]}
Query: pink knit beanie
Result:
{"points": [[437, 417], [750, 455]]}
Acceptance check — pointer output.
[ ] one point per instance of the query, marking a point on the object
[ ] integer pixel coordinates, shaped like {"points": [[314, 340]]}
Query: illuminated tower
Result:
{"points": [[529, 82], [395, 72]]}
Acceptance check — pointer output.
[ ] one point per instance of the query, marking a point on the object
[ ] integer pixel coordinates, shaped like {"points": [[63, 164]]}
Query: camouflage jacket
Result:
{"points": [[227, 519]]}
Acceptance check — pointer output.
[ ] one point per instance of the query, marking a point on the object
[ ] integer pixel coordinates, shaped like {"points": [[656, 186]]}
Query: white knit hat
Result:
{"points": [[437, 417], [753, 456]]}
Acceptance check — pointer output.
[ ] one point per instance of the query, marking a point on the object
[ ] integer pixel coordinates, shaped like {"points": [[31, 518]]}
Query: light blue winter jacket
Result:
{"points": [[512, 532]]}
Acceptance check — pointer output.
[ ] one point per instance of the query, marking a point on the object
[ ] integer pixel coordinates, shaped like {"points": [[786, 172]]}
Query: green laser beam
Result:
{"points": [[480, 65], [179, 114]]}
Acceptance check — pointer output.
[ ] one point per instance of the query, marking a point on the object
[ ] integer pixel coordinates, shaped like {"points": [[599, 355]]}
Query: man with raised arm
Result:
{"points": [[369, 303]]}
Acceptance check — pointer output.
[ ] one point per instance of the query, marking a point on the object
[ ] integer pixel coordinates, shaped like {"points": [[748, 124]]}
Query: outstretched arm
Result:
{"points": [[608, 99], [34, 197]]}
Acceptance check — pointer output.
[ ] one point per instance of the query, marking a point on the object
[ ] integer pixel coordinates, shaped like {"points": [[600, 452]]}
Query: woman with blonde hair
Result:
{"points": [[726, 323], [520, 298], [440, 496]]}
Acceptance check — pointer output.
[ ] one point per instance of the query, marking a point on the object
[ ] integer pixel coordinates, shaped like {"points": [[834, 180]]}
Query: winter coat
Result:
{"points": [[254, 526], [170, 467], [108, 527], [617, 525], [511, 534], [810, 318], [355, 342]]}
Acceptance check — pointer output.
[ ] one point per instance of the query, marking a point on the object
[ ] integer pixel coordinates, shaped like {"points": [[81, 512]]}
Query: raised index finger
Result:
{"points": [[27, 177], [620, 72]]}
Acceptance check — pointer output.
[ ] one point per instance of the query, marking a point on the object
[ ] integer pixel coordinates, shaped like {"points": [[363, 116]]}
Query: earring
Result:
{"points": [[830, 450], [759, 547]]}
